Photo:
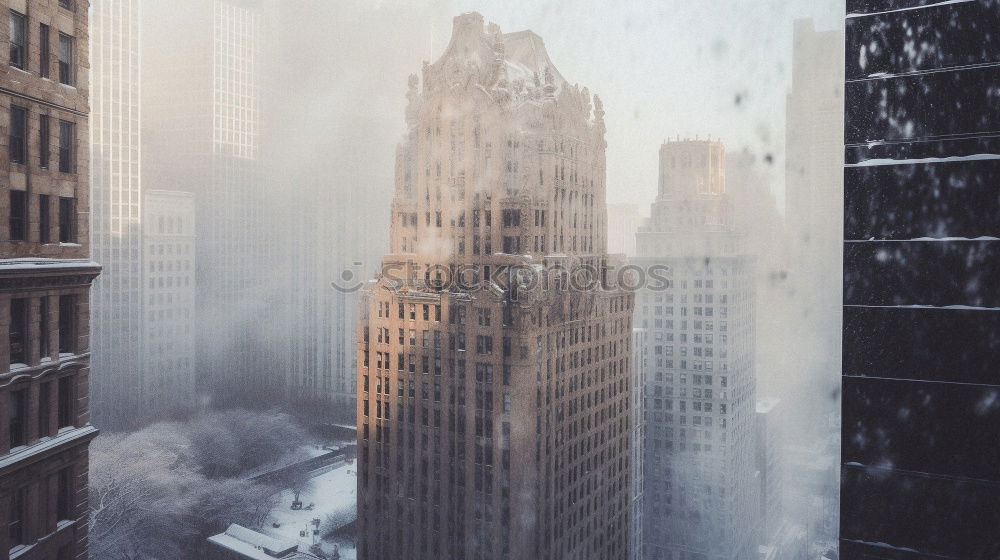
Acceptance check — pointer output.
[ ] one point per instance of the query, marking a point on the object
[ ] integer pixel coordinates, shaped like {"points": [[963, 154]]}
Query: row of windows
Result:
{"points": [[19, 334], [17, 145], [21, 517], [169, 266], [697, 325], [19, 54], [18, 409], [18, 219]]}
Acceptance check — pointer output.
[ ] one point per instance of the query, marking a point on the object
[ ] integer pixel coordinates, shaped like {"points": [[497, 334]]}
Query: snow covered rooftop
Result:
{"points": [[256, 546], [525, 55], [333, 496]]}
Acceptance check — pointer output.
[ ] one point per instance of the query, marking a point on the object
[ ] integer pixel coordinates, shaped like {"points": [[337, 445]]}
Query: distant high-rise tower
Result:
{"points": [[169, 310], [45, 278], [201, 133], [699, 492], [814, 187], [623, 222], [493, 415], [116, 209], [920, 470]]}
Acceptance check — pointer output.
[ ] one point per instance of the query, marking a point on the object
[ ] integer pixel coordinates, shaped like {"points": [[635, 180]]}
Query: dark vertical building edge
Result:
{"points": [[921, 393]]}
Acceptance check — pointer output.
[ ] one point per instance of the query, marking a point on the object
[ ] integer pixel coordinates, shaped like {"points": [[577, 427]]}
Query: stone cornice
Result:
{"points": [[23, 457], [40, 274], [44, 369]]}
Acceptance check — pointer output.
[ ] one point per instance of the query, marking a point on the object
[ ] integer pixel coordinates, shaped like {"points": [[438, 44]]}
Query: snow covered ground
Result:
{"points": [[333, 496]]}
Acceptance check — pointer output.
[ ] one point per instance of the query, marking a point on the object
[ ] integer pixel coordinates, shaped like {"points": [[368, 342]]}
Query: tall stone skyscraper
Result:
{"points": [[116, 210], [201, 85], [921, 394], [699, 493], [45, 277], [494, 416]]}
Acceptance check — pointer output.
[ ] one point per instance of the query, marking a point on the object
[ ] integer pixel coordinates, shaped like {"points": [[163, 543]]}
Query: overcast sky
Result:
{"points": [[663, 68]]}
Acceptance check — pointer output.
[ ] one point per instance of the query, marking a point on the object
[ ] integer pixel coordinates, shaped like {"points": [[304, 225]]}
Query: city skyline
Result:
{"points": [[498, 280]]}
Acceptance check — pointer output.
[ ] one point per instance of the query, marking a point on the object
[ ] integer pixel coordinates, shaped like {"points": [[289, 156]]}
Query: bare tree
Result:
{"points": [[160, 492]]}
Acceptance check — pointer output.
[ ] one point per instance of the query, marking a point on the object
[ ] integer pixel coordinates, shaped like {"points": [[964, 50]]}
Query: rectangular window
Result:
{"points": [[45, 409], [64, 499], [66, 146], [44, 221], [43, 50], [67, 324], [66, 68], [67, 398], [18, 215], [18, 331], [15, 522], [67, 211], [17, 424], [45, 342], [68, 4], [17, 148], [18, 39], [43, 141]]}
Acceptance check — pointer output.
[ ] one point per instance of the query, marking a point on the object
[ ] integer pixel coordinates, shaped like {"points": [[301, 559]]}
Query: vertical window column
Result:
{"points": [[67, 324], [44, 219], [18, 331], [18, 218], [44, 136], [43, 50], [18, 40], [66, 146], [17, 145], [66, 62], [67, 219]]}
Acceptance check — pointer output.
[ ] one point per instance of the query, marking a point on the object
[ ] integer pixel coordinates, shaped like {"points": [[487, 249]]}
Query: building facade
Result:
{"points": [[116, 210], [45, 277], [814, 216], [921, 308], [169, 308], [639, 373], [768, 462], [493, 413], [201, 85], [698, 308]]}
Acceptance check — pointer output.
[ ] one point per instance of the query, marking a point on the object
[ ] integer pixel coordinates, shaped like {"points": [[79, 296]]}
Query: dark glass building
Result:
{"points": [[921, 334]]}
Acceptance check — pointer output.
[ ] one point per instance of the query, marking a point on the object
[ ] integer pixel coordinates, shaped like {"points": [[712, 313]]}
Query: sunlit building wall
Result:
{"points": [[494, 423]]}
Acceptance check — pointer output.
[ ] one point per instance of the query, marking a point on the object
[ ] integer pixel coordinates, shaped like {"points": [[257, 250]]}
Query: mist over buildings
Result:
{"points": [[262, 147]]}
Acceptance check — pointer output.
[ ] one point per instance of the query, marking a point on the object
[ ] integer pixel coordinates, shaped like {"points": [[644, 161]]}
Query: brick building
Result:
{"points": [[45, 276], [494, 416]]}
